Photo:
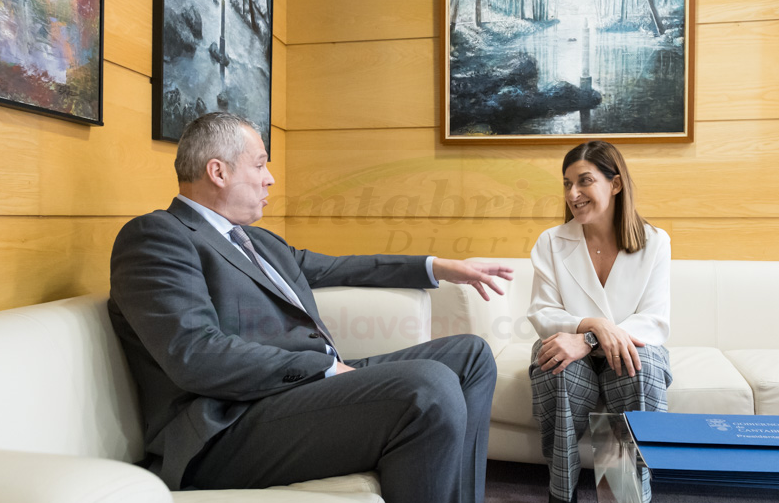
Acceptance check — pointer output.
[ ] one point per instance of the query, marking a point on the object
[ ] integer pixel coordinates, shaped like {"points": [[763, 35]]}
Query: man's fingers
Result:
{"points": [[479, 288]]}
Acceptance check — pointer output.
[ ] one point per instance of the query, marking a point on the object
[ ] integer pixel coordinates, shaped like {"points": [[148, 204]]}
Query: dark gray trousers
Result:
{"points": [[419, 417]]}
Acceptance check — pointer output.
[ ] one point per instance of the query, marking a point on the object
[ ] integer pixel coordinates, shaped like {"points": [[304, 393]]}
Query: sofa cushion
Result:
{"points": [[367, 482], [705, 382], [64, 374], [371, 321], [513, 400], [759, 367]]}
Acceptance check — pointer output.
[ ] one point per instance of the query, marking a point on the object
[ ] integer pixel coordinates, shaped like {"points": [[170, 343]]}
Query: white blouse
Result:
{"points": [[566, 288]]}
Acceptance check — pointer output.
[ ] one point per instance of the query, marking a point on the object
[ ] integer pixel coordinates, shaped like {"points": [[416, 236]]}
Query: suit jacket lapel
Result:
{"points": [[305, 297], [579, 265], [206, 231]]}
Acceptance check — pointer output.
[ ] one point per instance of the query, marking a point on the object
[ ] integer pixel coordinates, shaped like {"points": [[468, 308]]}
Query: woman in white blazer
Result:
{"points": [[600, 305]]}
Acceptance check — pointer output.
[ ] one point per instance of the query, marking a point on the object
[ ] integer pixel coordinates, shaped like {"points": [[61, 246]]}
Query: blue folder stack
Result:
{"points": [[731, 450]]}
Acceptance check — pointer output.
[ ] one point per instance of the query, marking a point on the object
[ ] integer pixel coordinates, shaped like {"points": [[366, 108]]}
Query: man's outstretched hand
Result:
{"points": [[476, 274]]}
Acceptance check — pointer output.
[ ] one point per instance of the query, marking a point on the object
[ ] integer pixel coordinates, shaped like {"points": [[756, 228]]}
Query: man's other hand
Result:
{"points": [[476, 274]]}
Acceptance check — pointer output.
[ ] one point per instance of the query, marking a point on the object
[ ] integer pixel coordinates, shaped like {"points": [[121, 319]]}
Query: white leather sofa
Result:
{"points": [[724, 345], [70, 425]]}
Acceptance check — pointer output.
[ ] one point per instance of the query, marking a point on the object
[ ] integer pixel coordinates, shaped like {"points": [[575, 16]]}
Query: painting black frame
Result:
{"points": [[682, 137], [159, 78], [98, 119]]}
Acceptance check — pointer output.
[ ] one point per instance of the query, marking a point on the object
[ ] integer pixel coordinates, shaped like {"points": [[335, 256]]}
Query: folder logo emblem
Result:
{"points": [[719, 424]]}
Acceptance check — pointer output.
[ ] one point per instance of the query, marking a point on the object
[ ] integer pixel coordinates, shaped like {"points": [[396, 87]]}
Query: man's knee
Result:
{"points": [[436, 393]]}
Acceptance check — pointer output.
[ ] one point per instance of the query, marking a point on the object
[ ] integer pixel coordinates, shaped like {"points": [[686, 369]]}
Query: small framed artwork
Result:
{"points": [[51, 58], [209, 56], [565, 71]]}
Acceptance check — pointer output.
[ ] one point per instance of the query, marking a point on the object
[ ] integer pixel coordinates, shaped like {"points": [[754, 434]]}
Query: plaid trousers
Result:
{"points": [[562, 403]]}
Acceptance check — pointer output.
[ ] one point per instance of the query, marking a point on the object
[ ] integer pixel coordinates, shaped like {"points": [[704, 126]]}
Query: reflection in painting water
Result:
{"points": [[524, 67]]}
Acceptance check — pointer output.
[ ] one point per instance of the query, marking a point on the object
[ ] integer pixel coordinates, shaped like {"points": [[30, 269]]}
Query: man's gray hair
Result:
{"points": [[216, 135]]}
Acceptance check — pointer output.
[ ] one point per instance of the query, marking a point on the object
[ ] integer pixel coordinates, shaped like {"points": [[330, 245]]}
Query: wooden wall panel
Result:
{"points": [[128, 34], [332, 86], [736, 72], [691, 239], [362, 85], [445, 237], [728, 11], [44, 259], [280, 20], [348, 134], [278, 91], [349, 20], [676, 180]]}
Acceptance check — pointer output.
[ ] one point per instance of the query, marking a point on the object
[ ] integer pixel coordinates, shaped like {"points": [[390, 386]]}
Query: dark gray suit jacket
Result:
{"points": [[207, 334]]}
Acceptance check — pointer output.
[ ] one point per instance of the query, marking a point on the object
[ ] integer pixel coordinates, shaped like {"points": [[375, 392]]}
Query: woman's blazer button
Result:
{"points": [[313, 335]]}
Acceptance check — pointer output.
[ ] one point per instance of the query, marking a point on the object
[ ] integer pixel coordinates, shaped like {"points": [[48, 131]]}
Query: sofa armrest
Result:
{"points": [[52, 478], [371, 321]]}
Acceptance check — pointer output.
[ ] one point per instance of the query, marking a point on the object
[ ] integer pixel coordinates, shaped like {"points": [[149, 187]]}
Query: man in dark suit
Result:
{"points": [[240, 382]]}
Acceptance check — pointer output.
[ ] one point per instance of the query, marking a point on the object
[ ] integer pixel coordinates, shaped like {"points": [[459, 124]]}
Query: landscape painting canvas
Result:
{"points": [[558, 71], [51, 58], [211, 55]]}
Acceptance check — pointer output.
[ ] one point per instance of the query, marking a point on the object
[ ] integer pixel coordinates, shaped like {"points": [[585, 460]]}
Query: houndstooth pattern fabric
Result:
{"points": [[562, 403]]}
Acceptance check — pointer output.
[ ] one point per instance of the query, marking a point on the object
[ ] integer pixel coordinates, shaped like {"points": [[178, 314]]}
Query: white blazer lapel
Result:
{"points": [[579, 266]]}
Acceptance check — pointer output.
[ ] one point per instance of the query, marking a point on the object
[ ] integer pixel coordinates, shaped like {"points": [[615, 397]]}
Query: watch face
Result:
{"points": [[590, 339]]}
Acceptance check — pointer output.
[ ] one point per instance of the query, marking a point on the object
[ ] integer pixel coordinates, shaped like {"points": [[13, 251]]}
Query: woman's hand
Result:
{"points": [[560, 350], [618, 345]]}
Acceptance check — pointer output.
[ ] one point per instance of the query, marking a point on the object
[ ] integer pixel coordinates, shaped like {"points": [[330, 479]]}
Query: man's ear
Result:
{"points": [[216, 171], [616, 185]]}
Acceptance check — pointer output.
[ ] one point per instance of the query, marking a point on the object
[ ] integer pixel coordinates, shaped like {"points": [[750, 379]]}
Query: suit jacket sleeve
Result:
{"points": [[547, 312]]}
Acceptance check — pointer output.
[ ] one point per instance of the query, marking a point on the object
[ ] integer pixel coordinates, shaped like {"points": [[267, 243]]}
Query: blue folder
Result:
{"points": [[735, 450], [709, 429]]}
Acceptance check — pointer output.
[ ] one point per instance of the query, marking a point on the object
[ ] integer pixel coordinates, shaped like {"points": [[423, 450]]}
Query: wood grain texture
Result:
{"points": [[737, 75], [724, 11], [45, 259], [278, 91], [380, 172], [280, 15], [362, 85], [128, 34], [698, 239], [315, 21], [113, 170], [278, 139], [449, 238]]}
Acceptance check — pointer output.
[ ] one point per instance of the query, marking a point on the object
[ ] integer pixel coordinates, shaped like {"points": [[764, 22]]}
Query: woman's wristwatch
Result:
{"points": [[591, 340]]}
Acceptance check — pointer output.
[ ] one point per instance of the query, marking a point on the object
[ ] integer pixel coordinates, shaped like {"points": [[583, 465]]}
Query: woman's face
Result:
{"points": [[589, 194]]}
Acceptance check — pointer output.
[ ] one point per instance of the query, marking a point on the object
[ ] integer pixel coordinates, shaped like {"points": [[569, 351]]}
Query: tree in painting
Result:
{"points": [[521, 67]]}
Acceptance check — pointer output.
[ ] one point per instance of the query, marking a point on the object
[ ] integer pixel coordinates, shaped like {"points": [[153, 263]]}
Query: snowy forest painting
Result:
{"points": [[552, 70], [51, 58], [211, 55]]}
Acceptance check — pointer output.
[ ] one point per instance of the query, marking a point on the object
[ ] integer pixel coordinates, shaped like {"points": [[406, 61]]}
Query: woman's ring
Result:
{"points": [[616, 356], [555, 359]]}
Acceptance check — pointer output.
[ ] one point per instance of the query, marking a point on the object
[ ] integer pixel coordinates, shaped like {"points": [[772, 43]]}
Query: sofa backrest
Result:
{"points": [[65, 387], [722, 304]]}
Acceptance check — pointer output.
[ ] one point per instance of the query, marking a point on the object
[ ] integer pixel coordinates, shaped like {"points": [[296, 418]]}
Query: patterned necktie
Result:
{"points": [[239, 236]]}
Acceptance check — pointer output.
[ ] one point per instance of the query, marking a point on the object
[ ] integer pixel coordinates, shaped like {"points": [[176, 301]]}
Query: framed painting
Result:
{"points": [[209, 56], [51, 58], [564, 71]]}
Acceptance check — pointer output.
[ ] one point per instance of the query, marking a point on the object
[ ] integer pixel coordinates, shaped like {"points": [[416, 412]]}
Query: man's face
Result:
{"points": [[246, 187]]}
